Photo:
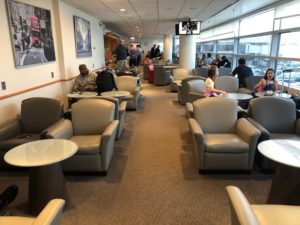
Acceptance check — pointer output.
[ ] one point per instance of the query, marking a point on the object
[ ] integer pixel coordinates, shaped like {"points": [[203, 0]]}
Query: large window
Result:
{"points": [[208, 46], [289, 73], [257, 24], [225, 46], [255, 45], [290, 45], [258, 65]]}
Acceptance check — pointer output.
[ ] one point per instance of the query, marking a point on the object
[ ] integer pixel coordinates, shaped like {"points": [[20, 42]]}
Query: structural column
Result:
{"points": [[187, 52], [168, 46]]}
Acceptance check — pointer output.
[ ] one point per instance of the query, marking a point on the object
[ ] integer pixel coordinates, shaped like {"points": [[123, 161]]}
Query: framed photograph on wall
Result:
{"points": [[31, 33], [82, 37]]}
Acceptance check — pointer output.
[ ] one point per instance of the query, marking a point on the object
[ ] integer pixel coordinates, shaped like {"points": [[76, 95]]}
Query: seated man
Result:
{"points": [[85, 81], [105, 80]]}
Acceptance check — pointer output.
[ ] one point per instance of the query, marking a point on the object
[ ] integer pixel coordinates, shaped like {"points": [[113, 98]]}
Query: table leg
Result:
{"points": [[285, 187], [45, 183]]}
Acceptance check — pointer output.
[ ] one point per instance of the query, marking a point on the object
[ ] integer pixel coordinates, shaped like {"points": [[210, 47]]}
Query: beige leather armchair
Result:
{"points": [[120, 111], [177, 75], [242, 213], [37, 115], [185, 88], [276, 118], [130, 84], [50, 215], [93, 129], [221, 141]]}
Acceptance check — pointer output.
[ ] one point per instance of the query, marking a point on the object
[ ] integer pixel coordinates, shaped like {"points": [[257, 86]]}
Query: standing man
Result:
{"points": [[242, 71], [85, 81], [121, 55], [152, 52]]}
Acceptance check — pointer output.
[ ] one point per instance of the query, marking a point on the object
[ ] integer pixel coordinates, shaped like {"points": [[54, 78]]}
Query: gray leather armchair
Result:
{"points": [[93, 129], [227, 83], [224, 71], [184, 89], [177, 75], [130, 84], [242, 213], [200, 71], [221, 141], [250, 84], [276, 118], [161, 75], [37, 115], [120, 111]]}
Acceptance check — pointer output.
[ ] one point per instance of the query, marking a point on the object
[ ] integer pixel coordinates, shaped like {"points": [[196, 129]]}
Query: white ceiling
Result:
{"points": [[150, 18]]}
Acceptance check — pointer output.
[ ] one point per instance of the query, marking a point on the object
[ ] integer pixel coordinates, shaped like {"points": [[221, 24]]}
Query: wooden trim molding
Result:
{"points": [[35, 87]]}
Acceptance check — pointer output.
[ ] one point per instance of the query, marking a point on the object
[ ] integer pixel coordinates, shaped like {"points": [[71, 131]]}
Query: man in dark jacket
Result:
{"points": [[242, 71], [121, 55]]}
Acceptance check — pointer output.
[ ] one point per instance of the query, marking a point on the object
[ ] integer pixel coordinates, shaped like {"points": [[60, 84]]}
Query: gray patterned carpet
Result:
{"points": [[152, 178]]}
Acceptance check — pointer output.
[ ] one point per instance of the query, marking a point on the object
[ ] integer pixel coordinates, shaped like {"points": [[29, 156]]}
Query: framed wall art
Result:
{"points": [[82, 37], [31, 33]]}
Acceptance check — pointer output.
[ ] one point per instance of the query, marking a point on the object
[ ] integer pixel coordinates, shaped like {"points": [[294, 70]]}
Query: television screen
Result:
{"points": [[189, 27]]}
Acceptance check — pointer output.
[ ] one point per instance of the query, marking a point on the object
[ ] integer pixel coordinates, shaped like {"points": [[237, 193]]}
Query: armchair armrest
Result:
{"points": [[241, 210], [122, 106], [245, 91], [298, 126], [172, 78], [62, 130], [247, 131], [10, 129], [107, 143], [198, 140], [189, 110], [44, 132], [265, 134]]}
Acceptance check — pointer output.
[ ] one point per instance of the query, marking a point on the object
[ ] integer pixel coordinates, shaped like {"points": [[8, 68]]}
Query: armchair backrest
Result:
{"points": [[39, 113], [92, 116], [111, 99], [227, 83], [276, 114], [216, 114], [224, 71], [252, 81], [201, 71], [195, 85], [126, 83], [180, 73]]}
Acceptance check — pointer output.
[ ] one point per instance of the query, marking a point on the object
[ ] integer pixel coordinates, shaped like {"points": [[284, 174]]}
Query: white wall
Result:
{"points": [[66, 64]]}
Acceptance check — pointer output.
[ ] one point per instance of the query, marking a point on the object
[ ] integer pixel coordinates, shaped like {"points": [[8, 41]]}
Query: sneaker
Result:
{"points": [[8, 195]]}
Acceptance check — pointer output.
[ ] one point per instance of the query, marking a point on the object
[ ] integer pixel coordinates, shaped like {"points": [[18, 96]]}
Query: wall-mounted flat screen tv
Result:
{"points": [[189, 28]]}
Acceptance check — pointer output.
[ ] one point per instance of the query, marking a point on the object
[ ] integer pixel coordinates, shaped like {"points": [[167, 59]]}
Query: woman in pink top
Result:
{"points": [[209, 85]]}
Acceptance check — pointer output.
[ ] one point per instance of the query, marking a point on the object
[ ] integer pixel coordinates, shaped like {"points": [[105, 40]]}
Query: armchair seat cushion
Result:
{"points": [[225, 143], [129, 97], [20, 139], [87, 144], [293, 137]]}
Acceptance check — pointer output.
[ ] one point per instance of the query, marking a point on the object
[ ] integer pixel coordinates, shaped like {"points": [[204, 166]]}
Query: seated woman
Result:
{"points": [[268, 83], [209, 84]]}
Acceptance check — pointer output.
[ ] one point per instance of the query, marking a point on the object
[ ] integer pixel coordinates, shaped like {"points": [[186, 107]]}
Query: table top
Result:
{"points": [[85, 94], [171, 66], [277, 94], [286, 152], [116, 94], [237, 96], [41, 152]]}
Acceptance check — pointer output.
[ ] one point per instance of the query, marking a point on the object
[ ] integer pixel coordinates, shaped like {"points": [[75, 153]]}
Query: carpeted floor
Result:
{"points": [[152, 178]]}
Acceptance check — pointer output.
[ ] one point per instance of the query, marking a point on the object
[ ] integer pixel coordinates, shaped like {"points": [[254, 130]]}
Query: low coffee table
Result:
{"points": [[46, 180]]}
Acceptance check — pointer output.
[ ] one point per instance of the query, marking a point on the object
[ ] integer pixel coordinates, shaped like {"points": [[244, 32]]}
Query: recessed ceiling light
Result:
{"points": [[122, 10]]}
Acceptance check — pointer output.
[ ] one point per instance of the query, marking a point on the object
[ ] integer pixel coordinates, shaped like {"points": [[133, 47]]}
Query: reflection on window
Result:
{"points": [[257, 24], [255, 45], [283, 74], [258, 65], [290, 45], [208, 47], [225, 46]]}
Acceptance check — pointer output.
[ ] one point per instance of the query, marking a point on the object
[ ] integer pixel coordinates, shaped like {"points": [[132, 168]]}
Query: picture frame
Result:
{"points": [[83, 42], [31, 33]]}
